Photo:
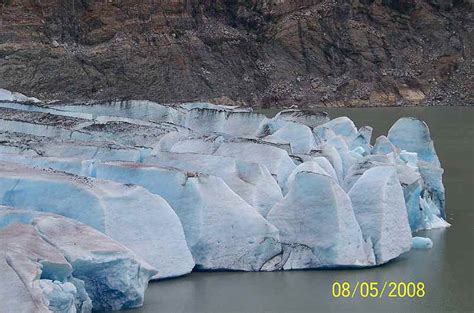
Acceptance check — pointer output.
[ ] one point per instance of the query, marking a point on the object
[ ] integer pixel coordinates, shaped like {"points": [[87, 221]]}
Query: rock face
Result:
{"points": [[266, 53], [54, 264]]}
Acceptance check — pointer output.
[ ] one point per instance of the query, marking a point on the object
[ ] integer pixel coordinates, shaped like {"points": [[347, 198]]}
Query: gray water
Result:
{"points": [[446, 269]]}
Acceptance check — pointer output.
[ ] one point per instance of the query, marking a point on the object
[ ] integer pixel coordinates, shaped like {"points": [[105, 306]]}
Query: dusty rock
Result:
{"points": [[264, 53]]}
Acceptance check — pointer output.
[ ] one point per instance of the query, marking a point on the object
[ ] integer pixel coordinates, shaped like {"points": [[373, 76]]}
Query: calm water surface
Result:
{"points": [[446, 270]]}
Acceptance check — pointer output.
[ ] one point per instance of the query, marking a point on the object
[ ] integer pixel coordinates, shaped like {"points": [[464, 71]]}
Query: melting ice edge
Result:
{"points": [[97, 199]]}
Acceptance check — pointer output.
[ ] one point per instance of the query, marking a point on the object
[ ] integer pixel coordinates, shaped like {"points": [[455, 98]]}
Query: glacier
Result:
{"points": [[251, 181], [170, 189], [379, 207], [206, 206], [317, 224], [131, 215], [9, 96], [50, 263]]}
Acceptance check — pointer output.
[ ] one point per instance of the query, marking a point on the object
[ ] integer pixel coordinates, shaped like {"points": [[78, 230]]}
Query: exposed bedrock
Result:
{"points": [[265, 53]]}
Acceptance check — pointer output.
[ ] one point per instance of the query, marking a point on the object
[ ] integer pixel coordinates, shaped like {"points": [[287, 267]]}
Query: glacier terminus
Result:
{"points": [[97, 199]]}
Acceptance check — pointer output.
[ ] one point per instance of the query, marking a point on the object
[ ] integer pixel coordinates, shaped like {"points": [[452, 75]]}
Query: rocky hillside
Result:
{"points": [[261, 52]]}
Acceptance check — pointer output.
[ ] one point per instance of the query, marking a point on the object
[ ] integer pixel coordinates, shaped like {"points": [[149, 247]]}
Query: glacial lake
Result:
{"points": [[446, 269]]}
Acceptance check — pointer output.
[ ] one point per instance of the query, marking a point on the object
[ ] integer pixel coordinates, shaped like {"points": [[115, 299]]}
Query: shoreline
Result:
{"points": [[45, 101]]}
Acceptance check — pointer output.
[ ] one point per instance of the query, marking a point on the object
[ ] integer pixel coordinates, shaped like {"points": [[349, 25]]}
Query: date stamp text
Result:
{"points": [[390, 289]]}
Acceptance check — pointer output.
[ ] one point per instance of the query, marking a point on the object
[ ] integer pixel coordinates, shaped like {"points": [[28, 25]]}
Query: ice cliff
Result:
{"points": [[198, 186], [50, 263]]}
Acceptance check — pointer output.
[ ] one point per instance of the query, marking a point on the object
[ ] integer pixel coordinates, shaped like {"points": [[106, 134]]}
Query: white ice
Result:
{"points": [[225, 176], [276, 160], [151, 229], [421, 243], [413, 135], [54, 264], [317, 224], [251, 181], [308, 118], [222, 230], [300, 137], [379, 206], [6, 95]]}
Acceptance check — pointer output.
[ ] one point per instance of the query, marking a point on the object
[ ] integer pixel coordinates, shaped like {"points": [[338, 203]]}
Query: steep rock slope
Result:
{"points": [[262, 52]]}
